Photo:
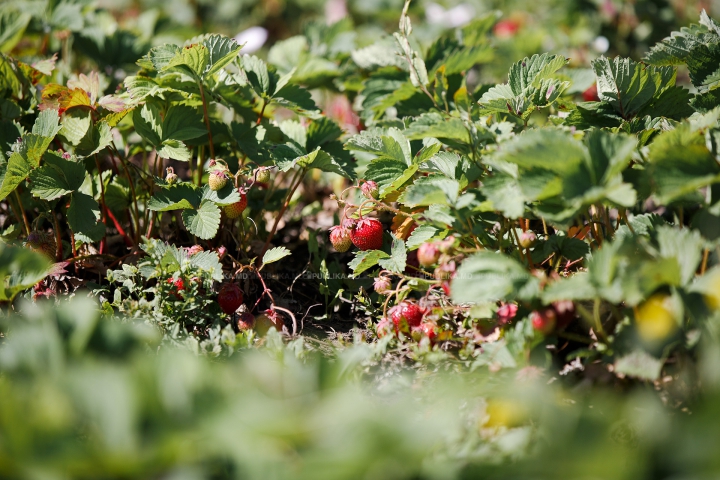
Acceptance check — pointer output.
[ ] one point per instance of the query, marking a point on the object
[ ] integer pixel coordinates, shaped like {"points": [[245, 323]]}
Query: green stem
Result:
{"points": [[295, 183], [207, 120]]}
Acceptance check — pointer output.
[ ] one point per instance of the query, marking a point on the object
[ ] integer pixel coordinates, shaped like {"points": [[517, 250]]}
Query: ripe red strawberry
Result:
{"points": [[506, 28], [178, 286], [340, 238], [236, 209], [370, 189], [507, 312], [406, 315], [217, 179], [428, 254], [591, 94], [230, 298], [367, 234], [426, 329], [246, 321], [43, 243], [544, 320]]}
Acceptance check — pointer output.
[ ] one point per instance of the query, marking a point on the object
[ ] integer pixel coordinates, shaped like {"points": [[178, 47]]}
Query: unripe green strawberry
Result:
{"points": [[262, 175], [367, 234], [340, 238], [43, 243], [236, 209], [171, 177], [269, 319], [217, 179]]}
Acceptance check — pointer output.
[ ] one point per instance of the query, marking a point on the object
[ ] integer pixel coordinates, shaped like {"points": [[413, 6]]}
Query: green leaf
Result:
{"points": [[685, 246], [275, 254], [639, 364], [365, 260], [569, 247], [222, 51], [488, 276], [203, 222], [83, 213], [176, 197], [20, 269], [633, 89], [258, 75], [57, 177], [13, 23], [437, 126], [422, 234], [392, 145], [192, 59], [18, 169], [434, 189], [225, 196], [679, 164], [99, 138], [398, 257], [76, 124], [47, 124], [148, 123], [174, 149], [389, 174], [297, 99], [182, 123], [531, 85]]}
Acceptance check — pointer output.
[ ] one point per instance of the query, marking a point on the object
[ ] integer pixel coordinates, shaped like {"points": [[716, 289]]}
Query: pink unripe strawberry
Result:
{"points": [[370, 189], [340, 238], [171, 177], [428, 254], [544, 320], [527, 239], [446, 269], [194, 250], [367, 234], [382, 285], [385, 327]]}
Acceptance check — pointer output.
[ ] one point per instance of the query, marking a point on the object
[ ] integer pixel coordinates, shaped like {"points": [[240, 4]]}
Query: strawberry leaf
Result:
{"points": [[203, 222], [275, 254]]}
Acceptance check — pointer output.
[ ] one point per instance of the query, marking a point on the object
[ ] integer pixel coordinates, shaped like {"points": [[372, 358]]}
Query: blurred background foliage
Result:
{"points": [[90, 397], [114, 34], [84, 396]]}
